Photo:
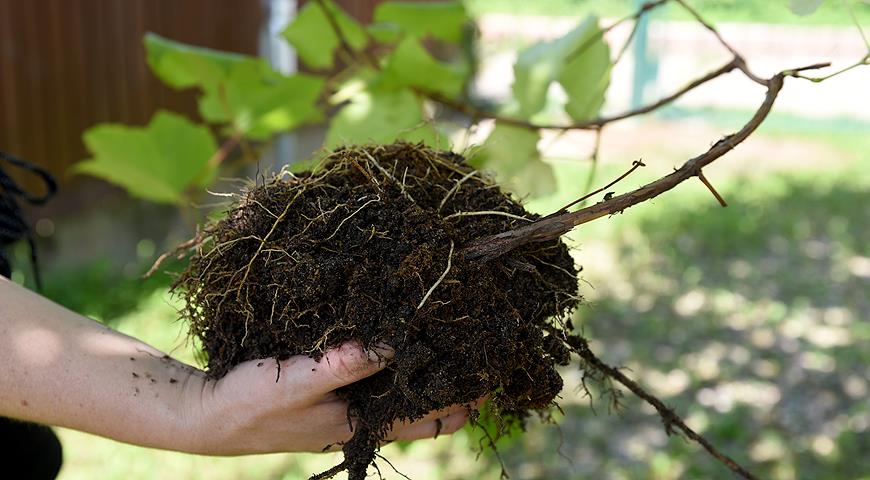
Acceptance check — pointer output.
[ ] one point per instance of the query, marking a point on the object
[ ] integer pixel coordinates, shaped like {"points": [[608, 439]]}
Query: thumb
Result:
{"points": [[346, 364]]}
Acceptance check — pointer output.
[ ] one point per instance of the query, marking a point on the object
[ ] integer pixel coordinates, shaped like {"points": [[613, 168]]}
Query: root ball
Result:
{"points": [[358, 249]]}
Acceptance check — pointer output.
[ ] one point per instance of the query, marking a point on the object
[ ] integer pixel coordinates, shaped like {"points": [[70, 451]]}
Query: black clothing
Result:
{"points": [[27, 450], [13, 228]]}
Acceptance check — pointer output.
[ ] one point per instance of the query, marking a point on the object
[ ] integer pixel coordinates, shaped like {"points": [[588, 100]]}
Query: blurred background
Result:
{"points": [[751, 321]]}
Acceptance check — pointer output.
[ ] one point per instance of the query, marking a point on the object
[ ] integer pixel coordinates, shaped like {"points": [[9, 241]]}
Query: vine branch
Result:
{"points": [[864, 61], [473, 111], [634, 166], [670, 419], [552, 227], [595, 123]]}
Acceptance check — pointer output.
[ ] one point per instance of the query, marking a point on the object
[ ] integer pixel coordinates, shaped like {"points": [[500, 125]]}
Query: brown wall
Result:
{"points": [[362, 10], [66, 65]]}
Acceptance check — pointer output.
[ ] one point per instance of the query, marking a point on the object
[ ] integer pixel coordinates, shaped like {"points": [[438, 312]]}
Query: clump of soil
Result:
{"points": [[359, 249]]}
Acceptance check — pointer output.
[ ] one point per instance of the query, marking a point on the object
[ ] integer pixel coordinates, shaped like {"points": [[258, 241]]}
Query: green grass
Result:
{"points": [[831, 12], [102, 290], [750, 321], [777, 123], [128, 292]]}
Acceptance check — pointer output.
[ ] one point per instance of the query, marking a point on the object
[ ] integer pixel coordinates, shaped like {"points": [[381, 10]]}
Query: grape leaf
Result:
{"points": [[586, 74], [544, 62], [314, 38], [512, 153], [381, 116], [180, 65], [411, 65], [361, 79], [444, 20], [804, 7], [158, 162], [384, 32], [259, 101], [241, 90]]}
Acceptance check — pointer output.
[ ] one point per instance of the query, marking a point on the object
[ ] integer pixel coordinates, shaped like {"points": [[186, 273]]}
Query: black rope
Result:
{"points": [[13, 227]]}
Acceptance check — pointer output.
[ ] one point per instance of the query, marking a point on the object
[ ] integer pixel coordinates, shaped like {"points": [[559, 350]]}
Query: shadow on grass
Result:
{"points": [[751, 321], [104, 291]]}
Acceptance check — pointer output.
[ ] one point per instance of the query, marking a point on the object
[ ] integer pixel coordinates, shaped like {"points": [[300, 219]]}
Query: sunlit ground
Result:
{"points": [[751, 321]]}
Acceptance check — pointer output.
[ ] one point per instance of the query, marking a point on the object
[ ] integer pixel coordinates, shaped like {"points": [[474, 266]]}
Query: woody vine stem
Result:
{"points": [[560, 222]]}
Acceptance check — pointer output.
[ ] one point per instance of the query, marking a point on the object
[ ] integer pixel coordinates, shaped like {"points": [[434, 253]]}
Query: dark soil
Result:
{"points": [[348, 252]]}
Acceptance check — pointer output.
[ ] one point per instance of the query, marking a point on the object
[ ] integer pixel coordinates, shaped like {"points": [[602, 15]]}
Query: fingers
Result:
{"points": [[431, 428], [435, 414], [436, 423], [344, 365], [439, 422], [421, 429]]}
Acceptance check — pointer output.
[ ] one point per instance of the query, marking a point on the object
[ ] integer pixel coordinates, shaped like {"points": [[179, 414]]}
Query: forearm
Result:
{"points": [[63, 369], [59, 368]]}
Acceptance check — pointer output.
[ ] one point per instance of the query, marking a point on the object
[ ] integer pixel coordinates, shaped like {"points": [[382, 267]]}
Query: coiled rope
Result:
{"points": [[13, 227]]}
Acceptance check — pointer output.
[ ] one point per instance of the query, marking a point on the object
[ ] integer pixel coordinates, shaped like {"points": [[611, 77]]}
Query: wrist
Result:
{"points": [[193, 424], [210, 425], [238, 414]]}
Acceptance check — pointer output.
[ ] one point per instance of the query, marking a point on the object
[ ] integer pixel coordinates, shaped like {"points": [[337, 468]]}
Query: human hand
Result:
{"points": [[248, 411]]}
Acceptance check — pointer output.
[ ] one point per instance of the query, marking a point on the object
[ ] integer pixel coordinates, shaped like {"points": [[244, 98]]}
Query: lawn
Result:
{"points": [[751, 321], [749, 11]]}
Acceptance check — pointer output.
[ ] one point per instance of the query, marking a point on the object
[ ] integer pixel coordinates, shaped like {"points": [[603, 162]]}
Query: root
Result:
{"points": [[393, 466], [456, 188], [376, 199], [672, 422], [244, 280], [303, 264], [440, 279], [331, 472], [486, 212], [196, 240]]}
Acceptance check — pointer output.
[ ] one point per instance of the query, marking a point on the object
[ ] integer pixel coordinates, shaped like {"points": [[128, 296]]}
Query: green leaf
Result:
{"points": [[241, 90], [361, 79], [314, 38], [570, 176], [444, 20], [384, 32], [180, 65], [259, 101], [542, 63], [411, 65], [159, 162], [804, 7], [381, 116], [512, 153], [586, 74]]}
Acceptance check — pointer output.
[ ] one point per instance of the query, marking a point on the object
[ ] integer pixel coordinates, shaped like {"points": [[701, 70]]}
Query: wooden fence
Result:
{"points": [[66, 65]]}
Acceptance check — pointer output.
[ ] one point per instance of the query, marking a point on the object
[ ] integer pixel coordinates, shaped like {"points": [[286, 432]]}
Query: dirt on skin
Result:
{"points": [[366, 248]]}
